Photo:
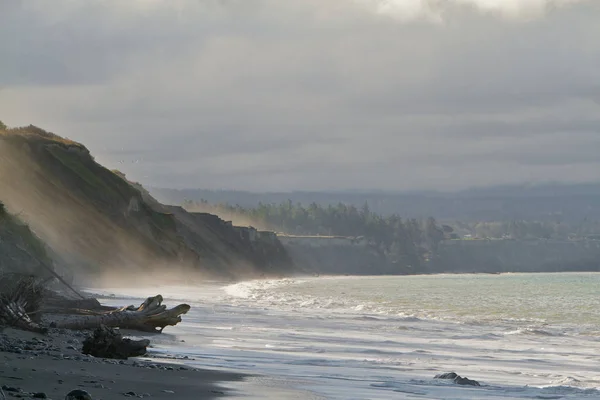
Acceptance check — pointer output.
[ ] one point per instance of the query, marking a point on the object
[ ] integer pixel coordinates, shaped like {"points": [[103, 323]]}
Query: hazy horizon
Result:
{"points": [[265, 95], [475, 189]]}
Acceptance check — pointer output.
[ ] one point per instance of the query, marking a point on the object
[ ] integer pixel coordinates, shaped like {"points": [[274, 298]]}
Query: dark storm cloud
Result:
{"points": [[265, 94]]}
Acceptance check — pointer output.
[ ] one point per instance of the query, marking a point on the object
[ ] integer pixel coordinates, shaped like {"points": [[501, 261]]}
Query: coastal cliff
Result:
{"points": [[516, 256], [79, 218], [20, 249], [340, 255], [95, 221], [358, 256]]}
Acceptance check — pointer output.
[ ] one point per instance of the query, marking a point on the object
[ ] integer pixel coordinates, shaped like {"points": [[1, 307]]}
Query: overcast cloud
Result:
{"points": [[313, 94]]}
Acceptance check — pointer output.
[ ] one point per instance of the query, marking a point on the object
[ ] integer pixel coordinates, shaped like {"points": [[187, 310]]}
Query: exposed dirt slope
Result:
{"points": [[97, 221], [20, 250]]}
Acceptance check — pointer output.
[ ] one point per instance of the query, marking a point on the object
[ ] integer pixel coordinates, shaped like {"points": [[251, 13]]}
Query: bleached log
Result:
{"points": [[150, 316], [56, 304]]}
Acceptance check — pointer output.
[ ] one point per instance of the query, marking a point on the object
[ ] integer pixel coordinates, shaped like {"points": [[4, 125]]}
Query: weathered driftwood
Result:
{"points": [[23, 299], [14, 314], [55, 304], [108, 343], [151, 316]]}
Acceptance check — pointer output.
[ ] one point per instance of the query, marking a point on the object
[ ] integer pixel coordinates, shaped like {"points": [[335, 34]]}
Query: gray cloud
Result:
{"points": [[266, 94]]}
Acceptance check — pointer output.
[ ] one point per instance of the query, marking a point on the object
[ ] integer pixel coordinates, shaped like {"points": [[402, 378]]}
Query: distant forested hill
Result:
{"points": [[552, 202]]}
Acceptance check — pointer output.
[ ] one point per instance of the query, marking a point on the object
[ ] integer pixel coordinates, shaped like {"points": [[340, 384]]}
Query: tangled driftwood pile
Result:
{"points": [[25, 299], [20, 301]]}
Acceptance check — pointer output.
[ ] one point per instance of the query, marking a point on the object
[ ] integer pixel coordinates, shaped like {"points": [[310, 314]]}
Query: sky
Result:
{"points": [[280, 95]]}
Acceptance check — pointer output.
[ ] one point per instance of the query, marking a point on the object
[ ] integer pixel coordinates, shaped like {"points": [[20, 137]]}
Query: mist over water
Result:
{"points": [[520, 335]]}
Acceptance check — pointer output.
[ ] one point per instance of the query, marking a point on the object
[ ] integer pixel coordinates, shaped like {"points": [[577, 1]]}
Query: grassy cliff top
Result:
{"points": [[68, 163], [35, 135], [98, 221], [78, 206]]}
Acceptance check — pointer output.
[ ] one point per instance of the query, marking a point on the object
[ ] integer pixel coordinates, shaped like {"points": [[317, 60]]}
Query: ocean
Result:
{"points": [[522, 336]]}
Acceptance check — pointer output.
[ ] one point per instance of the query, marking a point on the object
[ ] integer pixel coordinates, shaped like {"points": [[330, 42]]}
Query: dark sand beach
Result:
{"points": [[53, 365]]}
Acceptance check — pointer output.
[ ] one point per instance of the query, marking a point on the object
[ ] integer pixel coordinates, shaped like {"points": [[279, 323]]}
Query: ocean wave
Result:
{"points": [[570, 383], [267, 292], [483, 336], [311, 296], [292, 295], [573, 387], [257, 288], [534, 331], [275, 293]]}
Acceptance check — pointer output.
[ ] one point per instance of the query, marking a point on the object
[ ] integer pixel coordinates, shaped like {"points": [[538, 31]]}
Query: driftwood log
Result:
{"points": [[23, 300], [56, 304], [151, 316], [108, 343]]}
